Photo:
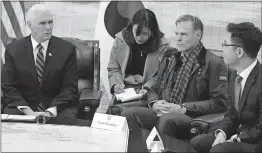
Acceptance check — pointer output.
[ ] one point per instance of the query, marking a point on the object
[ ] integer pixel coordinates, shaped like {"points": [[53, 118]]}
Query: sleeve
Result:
{"points": [[253, 133], [9, 82], [218, 92], [113, 68]]}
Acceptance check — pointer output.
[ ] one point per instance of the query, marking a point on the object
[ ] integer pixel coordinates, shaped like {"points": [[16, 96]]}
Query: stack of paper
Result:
{"points": [[128, 94]]}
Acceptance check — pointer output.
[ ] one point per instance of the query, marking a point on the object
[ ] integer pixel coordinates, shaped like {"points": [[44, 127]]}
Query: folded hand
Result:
{"points": [[161, 107], [219, 139]]}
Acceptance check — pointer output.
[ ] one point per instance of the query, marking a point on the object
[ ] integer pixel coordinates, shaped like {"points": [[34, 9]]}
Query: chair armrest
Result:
{"points": [[201, 124], [91, 98]]}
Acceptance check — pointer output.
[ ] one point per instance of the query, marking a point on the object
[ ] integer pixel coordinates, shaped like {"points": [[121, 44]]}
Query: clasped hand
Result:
{"points": [[162, 107], [220, 138]]}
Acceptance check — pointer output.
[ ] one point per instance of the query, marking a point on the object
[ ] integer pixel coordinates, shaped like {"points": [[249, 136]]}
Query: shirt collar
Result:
{"points": [[35, 43], [244, 74], [183, 57]]}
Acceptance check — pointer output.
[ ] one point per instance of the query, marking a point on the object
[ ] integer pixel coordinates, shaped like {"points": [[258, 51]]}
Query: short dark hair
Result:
{"points": [[146, 17], [246, 35], [197, 23]]}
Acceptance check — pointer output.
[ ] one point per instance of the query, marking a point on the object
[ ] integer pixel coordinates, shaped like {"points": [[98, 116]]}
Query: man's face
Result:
{"points": [[229, 51], [186, 36], [42, 26], [144, 34]]}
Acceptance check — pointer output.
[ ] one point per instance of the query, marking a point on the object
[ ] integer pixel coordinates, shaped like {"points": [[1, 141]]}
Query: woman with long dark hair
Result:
{"points": [[135, 56]]}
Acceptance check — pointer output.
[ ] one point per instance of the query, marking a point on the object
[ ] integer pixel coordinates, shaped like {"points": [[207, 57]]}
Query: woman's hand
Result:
{"points": [[119, 88], [143, 91], [138, 78]]}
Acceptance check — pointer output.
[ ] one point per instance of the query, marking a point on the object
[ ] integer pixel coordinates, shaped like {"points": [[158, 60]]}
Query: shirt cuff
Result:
{"points": [[53, 111], [219, 130]]}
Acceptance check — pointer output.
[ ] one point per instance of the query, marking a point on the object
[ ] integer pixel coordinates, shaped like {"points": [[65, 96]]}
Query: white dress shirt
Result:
{"points": [[52, 110]]}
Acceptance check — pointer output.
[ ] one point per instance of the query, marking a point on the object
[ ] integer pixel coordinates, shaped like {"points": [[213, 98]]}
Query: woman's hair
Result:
{"points": [[146, 17]]}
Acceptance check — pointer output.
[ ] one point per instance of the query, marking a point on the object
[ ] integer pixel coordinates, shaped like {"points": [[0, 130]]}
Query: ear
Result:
{"points": [[198, 34], [240, 52], [29, 25]]}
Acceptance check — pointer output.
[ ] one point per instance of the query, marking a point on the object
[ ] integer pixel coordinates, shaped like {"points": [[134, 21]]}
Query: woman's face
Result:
{"points": [[144, 34]]}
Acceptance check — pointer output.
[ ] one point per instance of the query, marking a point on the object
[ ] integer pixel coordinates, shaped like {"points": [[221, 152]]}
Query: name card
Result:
{"points": [[154, 141], [109, 122]]}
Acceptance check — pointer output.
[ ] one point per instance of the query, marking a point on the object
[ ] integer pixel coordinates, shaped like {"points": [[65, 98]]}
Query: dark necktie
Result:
{"points": [[237, 90], [40, 62]]}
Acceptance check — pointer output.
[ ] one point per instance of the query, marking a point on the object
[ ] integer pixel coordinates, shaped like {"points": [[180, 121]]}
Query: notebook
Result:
{"points": [[128, 95]]}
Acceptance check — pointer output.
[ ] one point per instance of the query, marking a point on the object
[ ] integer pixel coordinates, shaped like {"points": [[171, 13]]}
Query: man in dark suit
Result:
{"points": [[241, 128], [40, 70]]}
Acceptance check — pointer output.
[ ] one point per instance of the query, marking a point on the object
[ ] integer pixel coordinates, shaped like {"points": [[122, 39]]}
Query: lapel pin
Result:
{"points": [[50, 54]]}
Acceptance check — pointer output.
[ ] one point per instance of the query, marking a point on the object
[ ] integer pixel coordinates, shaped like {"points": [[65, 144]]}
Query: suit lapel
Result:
{"points": [[29, 58], [49, 54], [250, 80]]}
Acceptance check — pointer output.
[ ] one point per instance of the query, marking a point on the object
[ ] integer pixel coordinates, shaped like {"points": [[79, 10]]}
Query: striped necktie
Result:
{"points": [[40, 62]]}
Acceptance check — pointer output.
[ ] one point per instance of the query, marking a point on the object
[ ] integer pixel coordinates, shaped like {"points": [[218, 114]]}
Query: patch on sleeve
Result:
{"points": [[222, 78]]}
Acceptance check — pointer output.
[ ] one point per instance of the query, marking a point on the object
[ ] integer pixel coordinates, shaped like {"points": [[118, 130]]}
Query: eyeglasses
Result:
{"points": [[225, 44]]}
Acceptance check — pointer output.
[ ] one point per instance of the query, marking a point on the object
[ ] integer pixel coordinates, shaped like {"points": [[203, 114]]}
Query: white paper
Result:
{"points": [[28, 111], [128, 94], [109, 122], [21, 117], [4, 116]]}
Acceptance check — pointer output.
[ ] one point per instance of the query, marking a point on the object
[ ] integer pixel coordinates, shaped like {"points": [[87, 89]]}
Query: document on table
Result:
{"points": [[128, 94], [30, 115], [7, 117], [60, 138]]}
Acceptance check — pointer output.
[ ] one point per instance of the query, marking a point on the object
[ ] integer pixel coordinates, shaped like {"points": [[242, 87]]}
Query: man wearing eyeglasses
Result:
{"points": [[241, 128]]}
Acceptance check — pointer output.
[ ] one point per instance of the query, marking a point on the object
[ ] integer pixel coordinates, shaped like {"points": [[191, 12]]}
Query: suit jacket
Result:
{"points": [[207, 89], [247, 121], [119, 58], [59, 82]]}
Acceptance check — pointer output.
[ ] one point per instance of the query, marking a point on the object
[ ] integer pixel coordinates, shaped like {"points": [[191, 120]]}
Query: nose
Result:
{"points": [[48, 26], [139, 37], [179, 38]]}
